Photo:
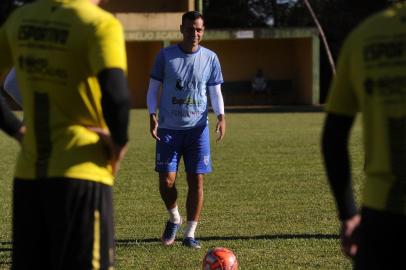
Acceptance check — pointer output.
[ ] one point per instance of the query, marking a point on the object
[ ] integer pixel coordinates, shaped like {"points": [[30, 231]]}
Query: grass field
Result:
{"points": [[267, 198]]}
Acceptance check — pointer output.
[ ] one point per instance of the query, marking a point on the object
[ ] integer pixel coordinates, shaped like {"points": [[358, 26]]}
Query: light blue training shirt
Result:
{"points": [[185, 77]]}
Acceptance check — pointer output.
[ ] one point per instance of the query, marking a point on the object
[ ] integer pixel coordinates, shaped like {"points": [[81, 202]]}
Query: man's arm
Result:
{"points": [[116, 106], [336, 158], [11, 87], [152, 103], [335, 152], [9, 123], [217, 103]]}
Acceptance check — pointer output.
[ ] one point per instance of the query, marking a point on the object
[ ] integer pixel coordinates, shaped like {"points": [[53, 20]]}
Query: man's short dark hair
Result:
{"points": [[192, 16]]}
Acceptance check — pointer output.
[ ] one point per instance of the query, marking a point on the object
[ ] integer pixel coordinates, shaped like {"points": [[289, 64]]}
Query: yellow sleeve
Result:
{"points": [[342, 98], [107, 50]]}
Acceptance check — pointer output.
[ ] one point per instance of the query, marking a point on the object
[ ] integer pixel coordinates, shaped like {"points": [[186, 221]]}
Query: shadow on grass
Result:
{"points": [[130, 242], [136, 242], [5, 246], [125, 242]]}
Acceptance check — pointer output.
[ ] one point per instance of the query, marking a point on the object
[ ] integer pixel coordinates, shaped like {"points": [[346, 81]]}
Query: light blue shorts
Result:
{"points": [[193, 144]]}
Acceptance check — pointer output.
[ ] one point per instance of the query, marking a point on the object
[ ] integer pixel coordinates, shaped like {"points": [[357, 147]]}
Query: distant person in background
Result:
{"points": [[259, 84], [371, 79], [186, 72], [70, 61]]}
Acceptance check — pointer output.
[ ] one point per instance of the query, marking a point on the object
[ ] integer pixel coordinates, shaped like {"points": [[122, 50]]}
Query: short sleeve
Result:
{"points": [[158, 69], [108, 47], [342, 98], [216, 76]]}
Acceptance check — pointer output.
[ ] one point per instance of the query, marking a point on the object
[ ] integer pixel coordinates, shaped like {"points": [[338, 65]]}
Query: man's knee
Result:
{"points": [[167, 180]]}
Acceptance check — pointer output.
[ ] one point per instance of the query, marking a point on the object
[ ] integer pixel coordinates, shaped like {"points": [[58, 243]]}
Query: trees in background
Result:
{"points": [[337, 17], [7, 6], [4, 10]]}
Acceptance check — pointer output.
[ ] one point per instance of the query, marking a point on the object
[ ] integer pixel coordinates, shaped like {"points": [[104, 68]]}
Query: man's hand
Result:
{"points": [[153, 126], [221, 127], [116, 152], [349, 235], [19, 135]]}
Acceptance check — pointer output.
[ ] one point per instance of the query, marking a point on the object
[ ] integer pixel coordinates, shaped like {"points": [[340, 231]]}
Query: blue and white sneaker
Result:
{"points": [[191, 243], [169, 235]]}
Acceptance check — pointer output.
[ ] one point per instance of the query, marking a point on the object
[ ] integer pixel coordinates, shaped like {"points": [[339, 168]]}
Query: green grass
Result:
{"points": [[267, 198]]}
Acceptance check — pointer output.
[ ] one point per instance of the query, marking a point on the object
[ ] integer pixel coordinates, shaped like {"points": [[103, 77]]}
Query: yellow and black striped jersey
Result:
{"points": [[58, 47], [371, 79]]}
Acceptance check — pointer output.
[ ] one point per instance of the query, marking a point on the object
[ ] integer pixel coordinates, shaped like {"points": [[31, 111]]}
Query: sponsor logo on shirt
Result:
{"points": [[191, 86], [28, 32], [40, 66], [179, 85], [206, 160], [185, 101], [388, 86], [181, 113]]}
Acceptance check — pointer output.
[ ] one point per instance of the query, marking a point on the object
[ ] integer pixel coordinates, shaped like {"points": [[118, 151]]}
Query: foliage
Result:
{"points": [[229, 14], [5, 9], [337, 18], [346, 13]]}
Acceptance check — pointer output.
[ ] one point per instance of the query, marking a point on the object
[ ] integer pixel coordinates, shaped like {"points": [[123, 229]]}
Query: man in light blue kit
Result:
{"points": [[186, 72]]}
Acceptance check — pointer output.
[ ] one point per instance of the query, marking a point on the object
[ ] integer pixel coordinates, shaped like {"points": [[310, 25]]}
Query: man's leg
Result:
{"points": [[167, 188], [169, 195], [197, 163], [28, 232], [194, 201], [168, 153], [79, 214], [194, 204], [381, 240]]}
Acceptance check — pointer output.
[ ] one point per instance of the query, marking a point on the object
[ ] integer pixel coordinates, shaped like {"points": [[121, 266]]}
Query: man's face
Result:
{"points": [[192, 31]]}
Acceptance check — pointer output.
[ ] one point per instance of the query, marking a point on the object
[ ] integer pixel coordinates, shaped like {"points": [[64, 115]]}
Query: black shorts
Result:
{"points": [[61, 223], [382, 241]]}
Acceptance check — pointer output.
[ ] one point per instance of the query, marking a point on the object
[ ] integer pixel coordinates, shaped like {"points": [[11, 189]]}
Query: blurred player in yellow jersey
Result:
{"points": [[70, 62], [371, 79]]}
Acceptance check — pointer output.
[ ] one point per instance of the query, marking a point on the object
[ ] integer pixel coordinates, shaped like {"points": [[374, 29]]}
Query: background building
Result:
{"points": [[289, 57]]}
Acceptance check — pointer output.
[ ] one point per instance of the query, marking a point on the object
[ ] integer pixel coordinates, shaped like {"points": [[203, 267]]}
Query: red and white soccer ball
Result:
{"points": [[220, 258]]}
